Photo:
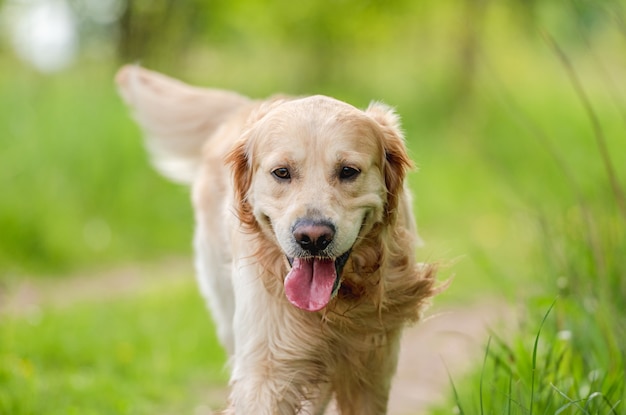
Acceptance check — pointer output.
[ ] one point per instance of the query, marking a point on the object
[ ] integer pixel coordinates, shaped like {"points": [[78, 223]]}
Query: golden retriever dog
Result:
{"points": [[305, 239]]}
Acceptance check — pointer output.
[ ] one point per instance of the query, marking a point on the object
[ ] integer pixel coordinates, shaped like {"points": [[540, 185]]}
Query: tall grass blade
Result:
{"points": [[590, 399], [612, 86], [612, 410], [506, 362], [510, 392], [534, 366], [595, 122], [570, 402], [604, 399], [457, 399], [534, 130], [482, 375]]}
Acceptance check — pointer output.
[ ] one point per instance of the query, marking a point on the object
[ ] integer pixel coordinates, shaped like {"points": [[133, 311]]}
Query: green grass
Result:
{"points": [[573, 365], [571, 359], [151, 352]]}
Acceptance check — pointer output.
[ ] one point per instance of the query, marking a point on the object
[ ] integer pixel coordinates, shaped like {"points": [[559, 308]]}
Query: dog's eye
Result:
{"points": [[348, 173], [282, 173]]}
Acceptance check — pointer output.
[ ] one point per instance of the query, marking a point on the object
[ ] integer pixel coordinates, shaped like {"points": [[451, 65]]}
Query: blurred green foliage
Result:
{"points": [[473, 80], [76, 186]]}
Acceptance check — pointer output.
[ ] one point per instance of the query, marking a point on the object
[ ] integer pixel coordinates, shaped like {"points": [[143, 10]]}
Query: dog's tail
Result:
{"points": [[176, 118]]}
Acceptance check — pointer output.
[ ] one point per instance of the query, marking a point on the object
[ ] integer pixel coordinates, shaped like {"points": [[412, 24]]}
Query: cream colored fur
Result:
{"points": [[286, 360]]}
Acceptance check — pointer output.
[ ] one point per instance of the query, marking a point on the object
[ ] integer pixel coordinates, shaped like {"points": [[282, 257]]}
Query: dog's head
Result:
{"points": [[315, 176]]}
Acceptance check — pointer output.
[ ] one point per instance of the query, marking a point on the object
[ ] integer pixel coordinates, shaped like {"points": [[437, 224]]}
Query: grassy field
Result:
{"points": [[512, 189], [145, 353]]}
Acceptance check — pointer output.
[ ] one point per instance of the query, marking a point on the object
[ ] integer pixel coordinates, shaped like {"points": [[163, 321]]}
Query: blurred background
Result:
{"points": [[514, 111]]}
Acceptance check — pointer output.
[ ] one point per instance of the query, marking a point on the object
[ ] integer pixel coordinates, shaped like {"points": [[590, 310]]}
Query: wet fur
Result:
{"points": [[285, 360]]}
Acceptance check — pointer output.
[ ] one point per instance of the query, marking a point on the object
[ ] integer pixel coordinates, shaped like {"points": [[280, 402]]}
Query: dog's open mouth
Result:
{"points": [[314, 281]]}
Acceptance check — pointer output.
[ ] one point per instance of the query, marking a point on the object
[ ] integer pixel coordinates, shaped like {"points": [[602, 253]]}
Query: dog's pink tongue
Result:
{"points": [[309, 284]]}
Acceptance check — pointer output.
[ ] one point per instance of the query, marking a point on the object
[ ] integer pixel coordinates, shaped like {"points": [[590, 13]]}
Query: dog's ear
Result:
{"points": [[176, 118], [396, 161], [239, 159]]}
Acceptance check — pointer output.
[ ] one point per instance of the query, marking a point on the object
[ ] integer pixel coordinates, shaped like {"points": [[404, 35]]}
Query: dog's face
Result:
{"points": [[314, 176]]}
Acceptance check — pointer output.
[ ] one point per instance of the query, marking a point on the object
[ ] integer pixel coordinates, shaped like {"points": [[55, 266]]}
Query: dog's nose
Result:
{"points": [[313, 237]]}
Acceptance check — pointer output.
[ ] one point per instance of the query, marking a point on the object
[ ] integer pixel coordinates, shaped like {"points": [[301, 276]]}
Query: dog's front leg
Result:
{"points": [[364, 380], [266, 380], [275, 369], [259, 395]]}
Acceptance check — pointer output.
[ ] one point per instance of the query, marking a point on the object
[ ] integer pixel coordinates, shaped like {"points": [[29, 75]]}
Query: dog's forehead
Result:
{"points": [[316, 124], [321, 103]]}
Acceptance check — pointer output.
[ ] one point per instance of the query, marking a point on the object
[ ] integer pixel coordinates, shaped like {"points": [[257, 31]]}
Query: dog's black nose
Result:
{"points": [[313, 237]]}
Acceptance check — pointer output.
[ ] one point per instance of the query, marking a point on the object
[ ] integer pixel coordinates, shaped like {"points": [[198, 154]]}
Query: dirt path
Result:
{"points": [[29, 295], [449, 339]]}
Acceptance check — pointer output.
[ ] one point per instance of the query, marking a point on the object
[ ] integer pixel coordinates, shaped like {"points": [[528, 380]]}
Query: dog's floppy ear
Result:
{"points": [[176, 118], [241, 163], [239, 159], [396, 161]]}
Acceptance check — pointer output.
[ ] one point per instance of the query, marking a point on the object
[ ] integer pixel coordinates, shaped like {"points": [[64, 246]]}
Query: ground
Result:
{"points": [[447, 342]]}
